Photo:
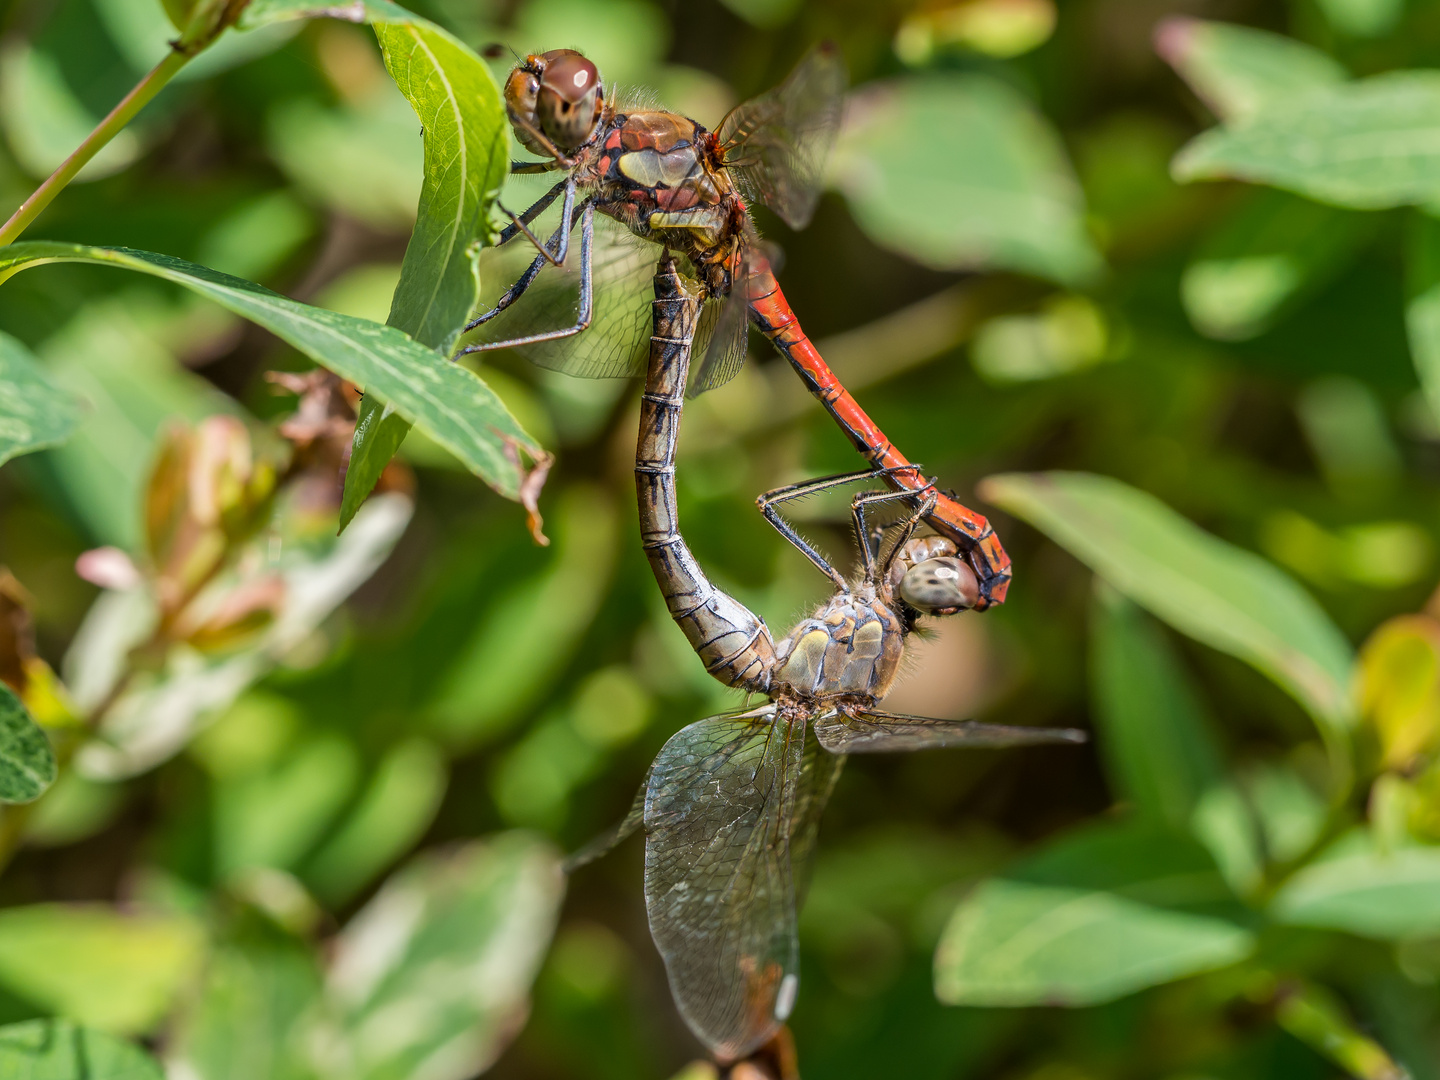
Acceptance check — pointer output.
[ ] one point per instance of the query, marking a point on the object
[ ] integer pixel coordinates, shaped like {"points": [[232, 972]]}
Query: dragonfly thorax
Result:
{"points": [[850, 648]]}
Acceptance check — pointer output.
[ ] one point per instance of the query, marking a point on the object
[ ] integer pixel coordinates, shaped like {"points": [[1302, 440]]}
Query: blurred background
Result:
{"points": [[1005, 274]]}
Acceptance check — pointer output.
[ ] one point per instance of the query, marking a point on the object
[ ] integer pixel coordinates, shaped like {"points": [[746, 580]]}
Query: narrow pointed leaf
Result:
{"points": [[33, 414], [1369, 145], [466, 157], [453, 406], [1238, 70], [1229, 598]]}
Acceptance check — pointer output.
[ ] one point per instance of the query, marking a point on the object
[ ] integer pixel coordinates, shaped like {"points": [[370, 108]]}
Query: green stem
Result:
{"points": [[106, 130]]}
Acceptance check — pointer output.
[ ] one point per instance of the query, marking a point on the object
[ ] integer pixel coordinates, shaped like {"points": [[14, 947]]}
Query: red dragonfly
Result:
{"points": [[669, 180]]}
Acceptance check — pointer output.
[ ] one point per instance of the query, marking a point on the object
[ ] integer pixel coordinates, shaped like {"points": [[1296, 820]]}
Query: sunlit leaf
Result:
{"points": [[466, 160], [33, 414], [451, 944], [1399, 683], [1238, 70], [1362, 18], [247, 1020], [58, 1050], [27, 763], [453, 406], [1368, 145], [992, 189], [159, 713], [97, 966], [1100, 914], [1224, 596], [1153, 733], [1356, 887]]}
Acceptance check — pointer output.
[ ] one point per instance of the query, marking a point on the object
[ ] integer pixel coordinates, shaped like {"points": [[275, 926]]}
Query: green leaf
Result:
{"points": [[394, 812], [247, 1019], [1271, 254], [533, 628], [1012, 943], [33, 414], [1368, 145], [1363, 18], [1154, 736], [92, 964], [451, 944], [993, 188], [27, 763], [57, 1050], [1356, 887], [466, 160], [1422, 310], [1224, 596], [452, 405], [1238, 70]]}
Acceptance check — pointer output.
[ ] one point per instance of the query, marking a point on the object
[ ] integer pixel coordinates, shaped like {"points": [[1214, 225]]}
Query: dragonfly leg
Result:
{"points": [[561, 237], [870, 539], [517, 167], [525, 280], [533, 211], [587, 294], [768, 501]]}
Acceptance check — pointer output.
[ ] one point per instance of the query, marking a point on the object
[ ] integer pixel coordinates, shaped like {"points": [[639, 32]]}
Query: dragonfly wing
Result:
{"points": [[818, 777], [617, 342], [872, 732], [776, 144], [719, 815], [721, 340]]}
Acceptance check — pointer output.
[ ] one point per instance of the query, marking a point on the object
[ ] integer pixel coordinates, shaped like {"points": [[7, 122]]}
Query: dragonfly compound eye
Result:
{"points": [[570, 99], [940, 586], [521, 90]]}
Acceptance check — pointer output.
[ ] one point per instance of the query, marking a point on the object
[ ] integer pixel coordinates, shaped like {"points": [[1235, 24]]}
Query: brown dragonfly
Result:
{"points": [[732, 803], [662, 177]]}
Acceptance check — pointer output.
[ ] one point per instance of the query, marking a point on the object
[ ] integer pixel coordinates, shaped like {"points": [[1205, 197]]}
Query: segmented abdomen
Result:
{"points": [[733, 642]]}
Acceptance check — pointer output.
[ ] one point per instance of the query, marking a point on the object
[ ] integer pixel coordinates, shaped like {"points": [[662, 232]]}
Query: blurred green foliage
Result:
{"points": [[312, 789]]}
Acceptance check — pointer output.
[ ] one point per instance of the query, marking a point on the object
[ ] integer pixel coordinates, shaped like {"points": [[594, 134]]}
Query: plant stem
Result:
{"points": [[106, 130]]}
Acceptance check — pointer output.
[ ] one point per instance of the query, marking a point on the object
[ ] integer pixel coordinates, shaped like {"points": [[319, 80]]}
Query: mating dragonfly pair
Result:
{"points": [[731, 805]]}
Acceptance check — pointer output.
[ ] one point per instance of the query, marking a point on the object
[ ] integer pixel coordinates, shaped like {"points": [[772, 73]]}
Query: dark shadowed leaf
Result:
{"points": [[1422, 311], [1153, 732], [1368, 145], [1238, 70], [58, 1050], [27, 763], [453, 406], [1219, 594], [33, 414]]}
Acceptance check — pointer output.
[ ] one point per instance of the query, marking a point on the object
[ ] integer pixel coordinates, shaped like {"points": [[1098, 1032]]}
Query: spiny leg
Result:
{"points": [[587, 294], [567, 219], [871, 539], [561, 237], [767, 502]]}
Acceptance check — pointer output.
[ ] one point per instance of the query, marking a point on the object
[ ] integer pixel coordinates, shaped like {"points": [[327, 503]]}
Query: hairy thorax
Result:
{"points": [[849, 649], [654, 173]]}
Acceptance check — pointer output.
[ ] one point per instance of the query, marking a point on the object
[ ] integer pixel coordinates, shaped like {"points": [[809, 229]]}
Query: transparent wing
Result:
{"points": [[722, 805], [617, 342], [883, 733], [818, 776], [721, 340], [776, 144]]}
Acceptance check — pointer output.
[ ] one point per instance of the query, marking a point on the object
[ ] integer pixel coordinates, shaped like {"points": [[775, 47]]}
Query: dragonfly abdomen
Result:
{"points": [[732, 642]]}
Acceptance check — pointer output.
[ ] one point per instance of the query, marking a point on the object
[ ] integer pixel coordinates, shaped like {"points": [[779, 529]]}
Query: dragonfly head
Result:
{"points": [[928, 574], [557, 95], [940, 586]]}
